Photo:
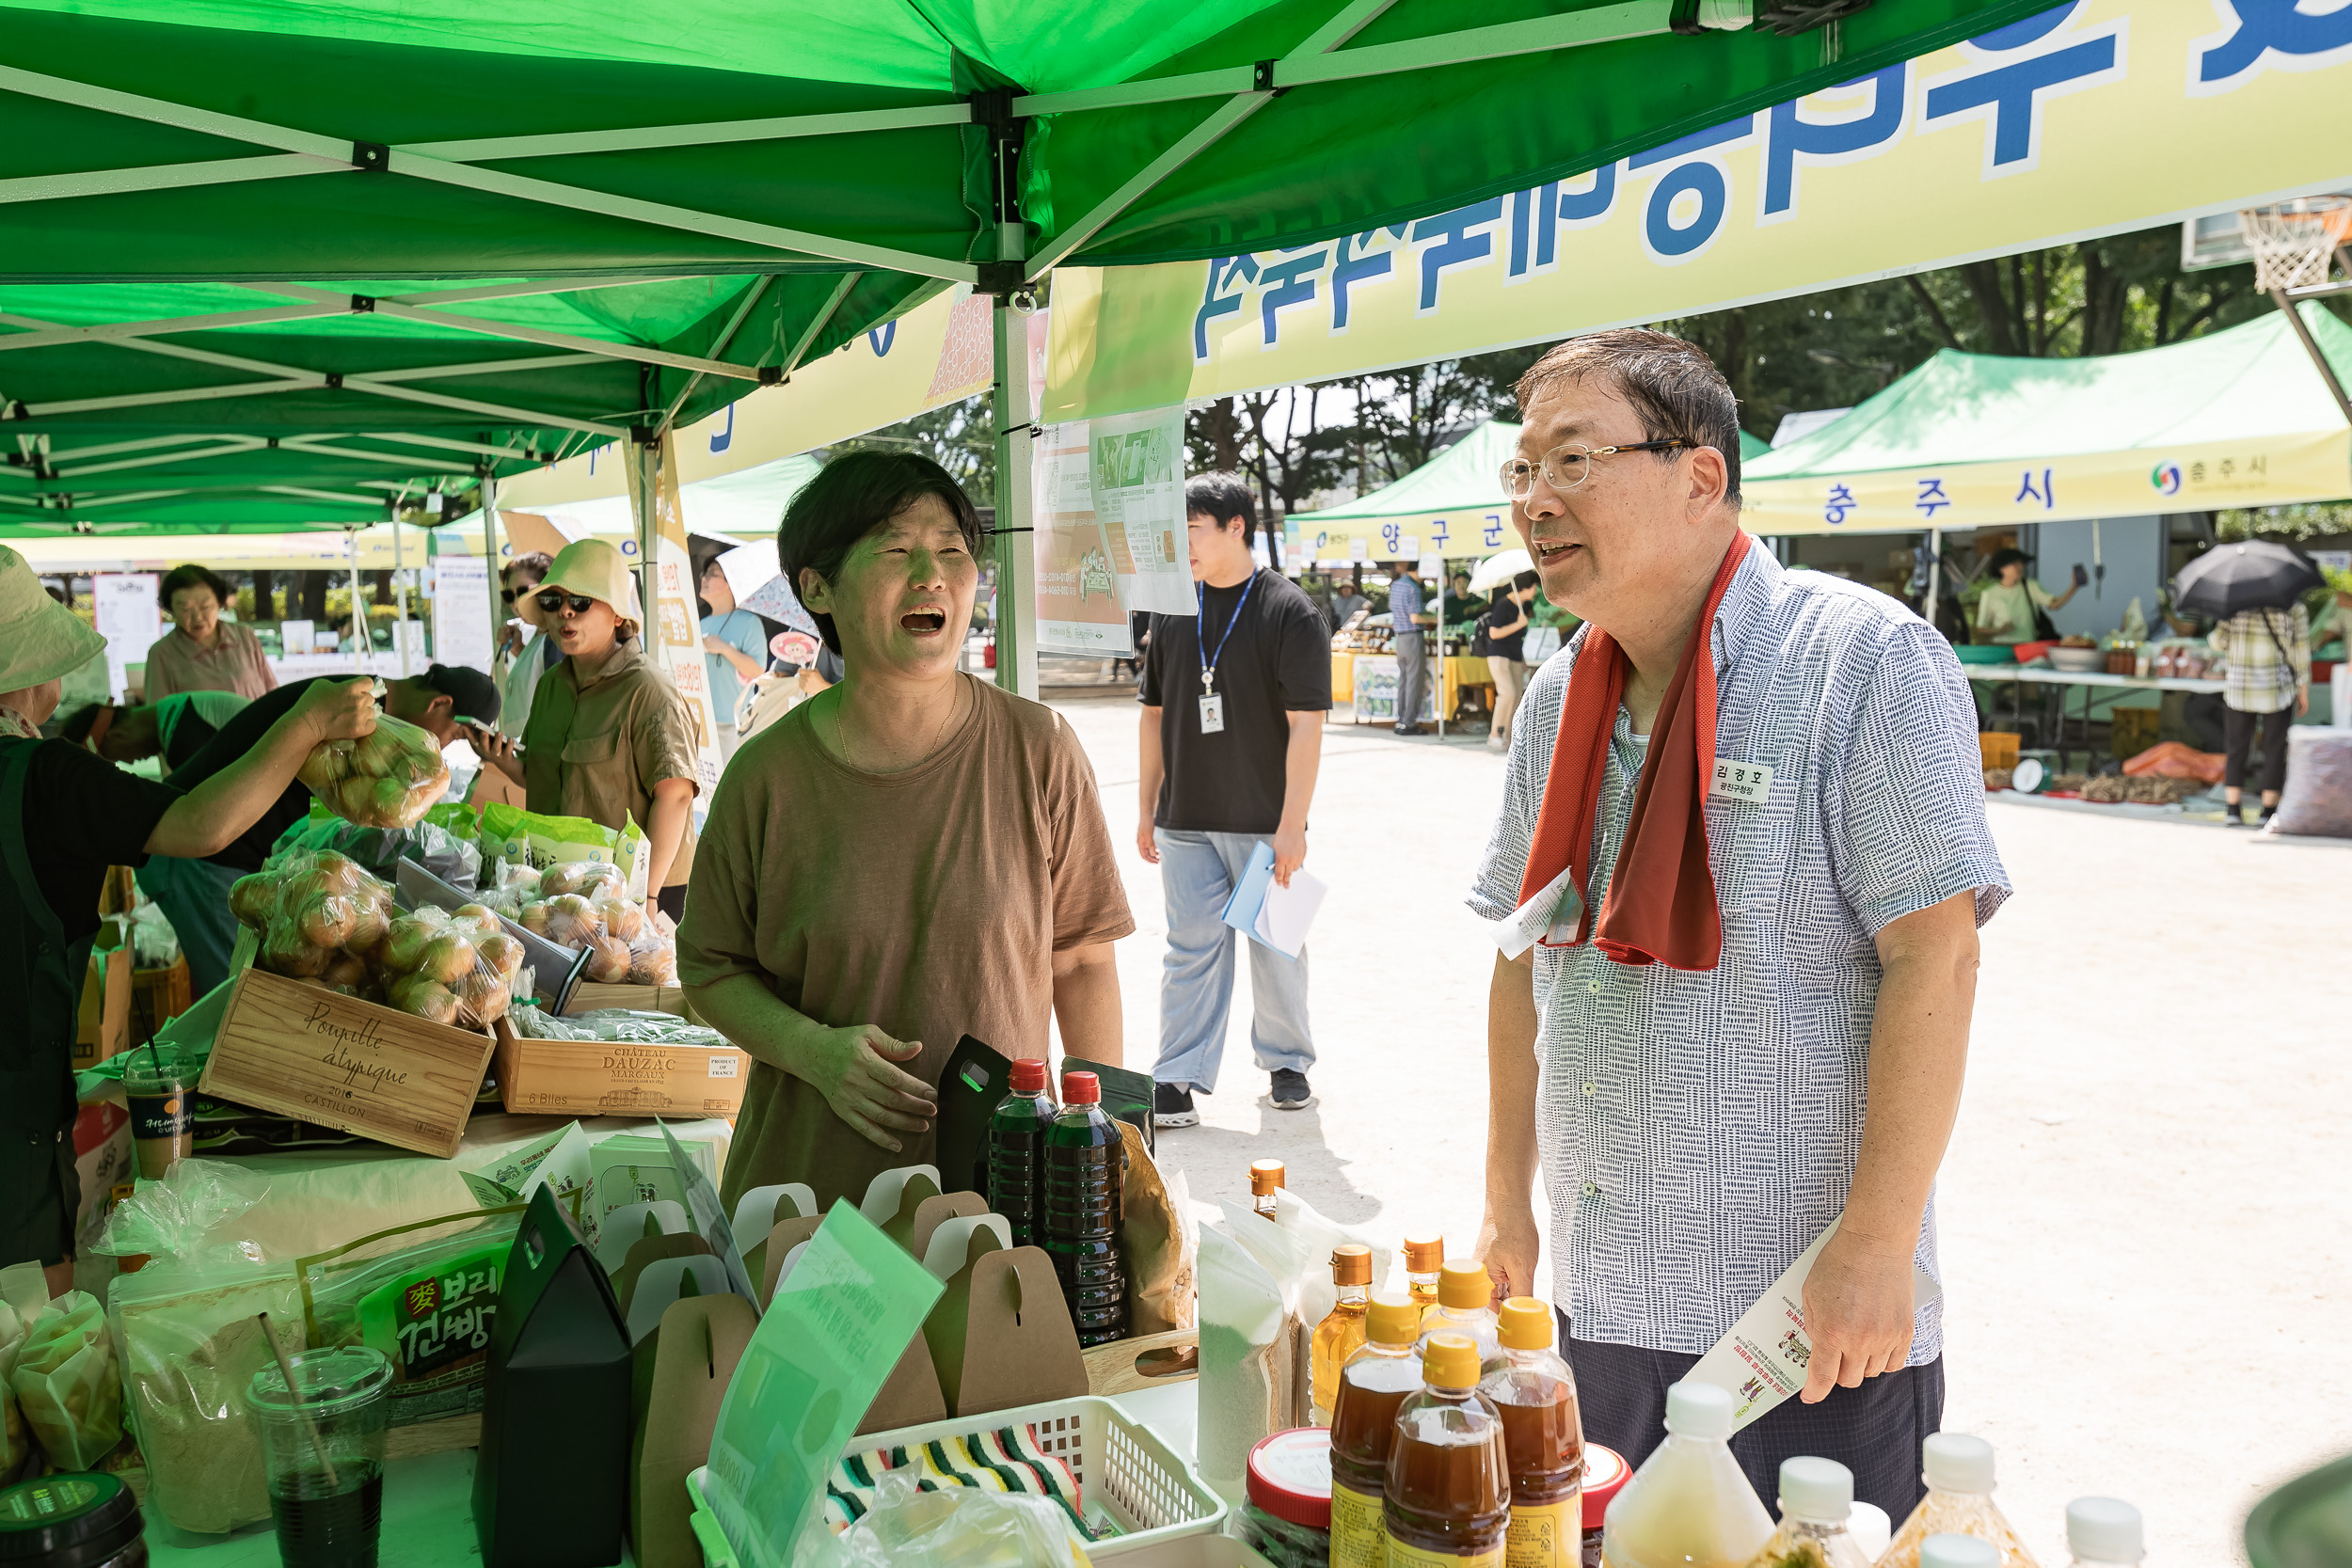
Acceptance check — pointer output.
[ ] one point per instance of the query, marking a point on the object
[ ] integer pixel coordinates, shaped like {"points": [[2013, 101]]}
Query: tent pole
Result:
{"points": [[362, 643], [1936, 571], [490, 557], [400, 603], [2310, 346], [1016, 545]]}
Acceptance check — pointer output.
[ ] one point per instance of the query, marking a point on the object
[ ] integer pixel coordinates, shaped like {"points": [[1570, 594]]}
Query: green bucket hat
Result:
{"points": [[41, 640]]}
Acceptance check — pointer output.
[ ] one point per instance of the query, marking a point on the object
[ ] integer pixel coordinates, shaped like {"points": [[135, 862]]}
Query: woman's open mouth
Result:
{"points": [[925, 623]]}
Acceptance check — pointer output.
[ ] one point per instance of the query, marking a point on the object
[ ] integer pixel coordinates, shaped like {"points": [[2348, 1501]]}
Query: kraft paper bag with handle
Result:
{"points": [[936, 1212], [679, 1379], [646, 1251], [756, 1214], [667, 1280], [1001, 1334], [783, 1237], [1246, 1373]]}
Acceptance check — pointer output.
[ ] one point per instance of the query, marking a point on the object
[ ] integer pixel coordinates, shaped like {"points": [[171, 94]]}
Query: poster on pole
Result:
{"points": [[127, 619], [1138, 476], [461, 610], [1081, 567], [674, 634]]}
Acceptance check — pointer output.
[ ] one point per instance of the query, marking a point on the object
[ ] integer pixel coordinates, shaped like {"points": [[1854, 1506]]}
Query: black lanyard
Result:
{"points": [[1208, 659]]}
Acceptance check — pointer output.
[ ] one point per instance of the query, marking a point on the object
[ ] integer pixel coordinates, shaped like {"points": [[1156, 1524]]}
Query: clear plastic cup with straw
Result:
{"points": [[321, 1415]]}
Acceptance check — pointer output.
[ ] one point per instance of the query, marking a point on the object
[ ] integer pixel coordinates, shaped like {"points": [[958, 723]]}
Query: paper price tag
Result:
{"points": [[1749, 781]]}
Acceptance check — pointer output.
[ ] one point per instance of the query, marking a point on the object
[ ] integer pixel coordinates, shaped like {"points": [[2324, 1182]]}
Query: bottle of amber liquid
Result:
{"points": [[1447, 1502], [1339, 1335], [1265, 1179], [1465, 1305], [1543, 1438], [1374, 1383], [1424, 1256]]}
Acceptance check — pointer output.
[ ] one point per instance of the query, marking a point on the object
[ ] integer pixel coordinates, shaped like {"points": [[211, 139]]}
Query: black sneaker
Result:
{"points": [[1410, 729], [1172, 1106], [1291, 1092]]}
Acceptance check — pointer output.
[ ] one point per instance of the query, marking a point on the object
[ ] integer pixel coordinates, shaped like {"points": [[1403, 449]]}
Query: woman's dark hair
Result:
{"points": [[2003, 560], [534, 562], [193, 576], [78, 727], [1525, 580], [852, 495]]}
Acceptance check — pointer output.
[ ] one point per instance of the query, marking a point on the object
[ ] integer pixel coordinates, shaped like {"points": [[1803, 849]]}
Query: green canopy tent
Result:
{"points": [[1452, 505], [816, 170]]}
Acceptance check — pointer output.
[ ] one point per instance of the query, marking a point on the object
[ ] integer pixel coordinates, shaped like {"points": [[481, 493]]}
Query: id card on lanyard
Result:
{"points": [[1213, 706]]}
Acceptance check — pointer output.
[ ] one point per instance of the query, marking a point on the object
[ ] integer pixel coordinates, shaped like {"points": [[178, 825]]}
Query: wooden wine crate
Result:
{"points": [[353, 1065], [589, 995], [606, 1078]]}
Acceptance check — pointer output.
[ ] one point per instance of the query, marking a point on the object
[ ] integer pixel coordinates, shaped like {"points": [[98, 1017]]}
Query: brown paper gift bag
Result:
{"points": [[1001, 1336], [911, 1396], [647, 1250], [679, 1375]]}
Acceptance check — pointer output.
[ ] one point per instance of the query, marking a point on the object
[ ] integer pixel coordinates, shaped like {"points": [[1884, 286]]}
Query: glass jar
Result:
{"points": [[1288, 1518]]}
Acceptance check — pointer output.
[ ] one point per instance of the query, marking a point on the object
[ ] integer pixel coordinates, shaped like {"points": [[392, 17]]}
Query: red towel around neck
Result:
{"points": [[1661, 903]]}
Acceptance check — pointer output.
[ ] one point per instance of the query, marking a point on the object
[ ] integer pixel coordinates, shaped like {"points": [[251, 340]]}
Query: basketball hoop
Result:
{"points": [[2293, 240]]}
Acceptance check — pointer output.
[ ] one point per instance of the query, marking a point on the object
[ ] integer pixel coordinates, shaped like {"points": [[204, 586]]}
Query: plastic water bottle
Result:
{"points": [[1085, 1162], [1016, 1143], [2102, 1533]]}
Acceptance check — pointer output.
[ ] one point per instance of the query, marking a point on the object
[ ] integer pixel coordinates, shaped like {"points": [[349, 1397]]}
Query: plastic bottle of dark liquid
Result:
{"points": [[1016, 1143], [1382, 1373], [1085, 1162], [1448, 1503], [1542, 1437]]}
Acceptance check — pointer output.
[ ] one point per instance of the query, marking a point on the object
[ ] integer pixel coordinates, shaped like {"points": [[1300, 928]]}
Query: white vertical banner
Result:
{"points": [[127, 619], [1081, 569], [1139, 492], [461, 611], [674, 631]]}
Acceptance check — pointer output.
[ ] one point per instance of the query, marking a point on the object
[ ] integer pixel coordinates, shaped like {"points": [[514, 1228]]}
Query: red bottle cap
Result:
{"points": [[1605, 1475], [1081, 1088], [1290, 1476], [1028, 1075]]}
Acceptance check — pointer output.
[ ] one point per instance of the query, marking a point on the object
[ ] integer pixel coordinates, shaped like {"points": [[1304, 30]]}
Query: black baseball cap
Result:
{"points": [[472, 694]]}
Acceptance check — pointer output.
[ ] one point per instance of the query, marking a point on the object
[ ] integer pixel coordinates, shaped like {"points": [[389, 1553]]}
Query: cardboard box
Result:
{"points": [[157, 997], [681, 1373], [353, 1065], [1000, 1335], [606, 1078]]}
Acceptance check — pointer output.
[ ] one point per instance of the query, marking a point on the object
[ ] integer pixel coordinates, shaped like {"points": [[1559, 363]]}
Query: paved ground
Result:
{"points": [[2148, 1259]]}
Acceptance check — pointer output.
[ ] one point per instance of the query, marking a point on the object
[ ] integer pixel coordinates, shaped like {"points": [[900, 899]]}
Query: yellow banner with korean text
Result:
{"points": [[2096, 116]]}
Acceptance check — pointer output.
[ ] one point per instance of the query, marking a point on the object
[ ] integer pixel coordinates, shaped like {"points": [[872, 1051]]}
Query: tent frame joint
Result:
{"points": [[372, 157]]}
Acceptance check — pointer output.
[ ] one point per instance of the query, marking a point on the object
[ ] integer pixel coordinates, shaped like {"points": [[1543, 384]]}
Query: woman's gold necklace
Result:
{"points": [[841, 736]]}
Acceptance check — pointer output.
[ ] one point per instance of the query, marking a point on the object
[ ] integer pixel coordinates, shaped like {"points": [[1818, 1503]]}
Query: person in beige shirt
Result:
{"points": [[202, 652], [909, 857], [610, 739]]}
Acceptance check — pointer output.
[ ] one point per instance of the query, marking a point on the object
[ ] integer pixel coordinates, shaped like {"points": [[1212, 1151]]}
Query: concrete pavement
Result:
{"points": [[2147, 1207]]}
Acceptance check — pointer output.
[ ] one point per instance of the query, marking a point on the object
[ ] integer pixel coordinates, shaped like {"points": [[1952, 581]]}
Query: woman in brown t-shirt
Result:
{"points": [[910, 857]]}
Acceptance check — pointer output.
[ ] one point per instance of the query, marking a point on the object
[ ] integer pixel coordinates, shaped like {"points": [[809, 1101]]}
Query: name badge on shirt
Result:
{"points": [[1213, 715], [1748, 782]]}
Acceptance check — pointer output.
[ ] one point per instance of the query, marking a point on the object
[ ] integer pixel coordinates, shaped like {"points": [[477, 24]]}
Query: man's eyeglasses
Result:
{"points": [[552, 602], [1565, 467]]}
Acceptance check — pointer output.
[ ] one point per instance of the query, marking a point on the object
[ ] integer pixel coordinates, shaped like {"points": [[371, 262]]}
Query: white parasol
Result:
{"points": [[1498, 569], [753, 571]]}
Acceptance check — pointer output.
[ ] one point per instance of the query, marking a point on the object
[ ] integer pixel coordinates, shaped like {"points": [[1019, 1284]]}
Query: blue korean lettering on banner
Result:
{"points": [[1492, 533], [1790, 136], [1362, 267], [1456, 244], [1215, 301], [882, 337], [1288, 282], [2039, 60], [1579, 208], [1932, 497], [2265, 34], [722, 439], [1701, 177], [1840, 505], [2047, 495]]}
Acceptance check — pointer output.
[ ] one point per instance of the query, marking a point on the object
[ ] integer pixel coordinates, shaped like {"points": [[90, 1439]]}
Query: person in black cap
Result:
{"points": [[194, 894]]}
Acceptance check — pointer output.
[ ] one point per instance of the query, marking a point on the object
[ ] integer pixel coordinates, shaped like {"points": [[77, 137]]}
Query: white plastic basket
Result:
{"points": [[1126, 1470]]}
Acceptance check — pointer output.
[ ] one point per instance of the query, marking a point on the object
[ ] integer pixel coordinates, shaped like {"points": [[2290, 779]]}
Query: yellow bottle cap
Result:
{"points": [[1451, 1362], [1392, 1319], [1525, 1323], [1351, 1264], [1265, 1176], [1425, 1254], [1463, 1286]]}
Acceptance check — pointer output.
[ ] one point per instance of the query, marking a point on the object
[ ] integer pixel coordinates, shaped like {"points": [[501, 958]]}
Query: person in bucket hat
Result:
{"points": [[610, 739], [66, 815]]}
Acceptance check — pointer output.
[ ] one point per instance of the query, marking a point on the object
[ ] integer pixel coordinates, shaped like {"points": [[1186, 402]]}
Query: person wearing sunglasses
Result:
{"points": [[610, 737], [1735, 883], [526, 653], [909, 857]]}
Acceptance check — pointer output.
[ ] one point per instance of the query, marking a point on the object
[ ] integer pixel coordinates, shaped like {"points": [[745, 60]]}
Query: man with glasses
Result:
{"points": [[527, 651], [1736, 880]]}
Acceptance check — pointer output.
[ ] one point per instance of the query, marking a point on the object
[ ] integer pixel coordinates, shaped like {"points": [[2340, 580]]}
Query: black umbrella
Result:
{"points": [[2252, 575]]}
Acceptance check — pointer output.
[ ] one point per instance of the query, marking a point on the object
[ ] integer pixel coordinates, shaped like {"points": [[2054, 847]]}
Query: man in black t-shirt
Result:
{"points": [[1232, 733]]}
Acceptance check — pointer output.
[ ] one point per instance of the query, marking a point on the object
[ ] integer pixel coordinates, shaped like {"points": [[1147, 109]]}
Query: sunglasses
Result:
{"points": [[552, 602]]}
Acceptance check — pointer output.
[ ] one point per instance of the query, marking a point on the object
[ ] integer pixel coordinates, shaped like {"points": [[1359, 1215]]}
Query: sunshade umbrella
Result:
{"points": [[2252, 575], [754, 572], [1498, 569]]}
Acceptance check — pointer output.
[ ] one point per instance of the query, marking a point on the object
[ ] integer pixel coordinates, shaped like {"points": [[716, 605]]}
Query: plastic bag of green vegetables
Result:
{"points": [[427, 1306], [68, 1384]]}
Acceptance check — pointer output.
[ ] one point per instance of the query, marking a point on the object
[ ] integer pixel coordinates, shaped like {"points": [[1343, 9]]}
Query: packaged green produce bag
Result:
{"points": [[68, 1384], [427, 1308]]}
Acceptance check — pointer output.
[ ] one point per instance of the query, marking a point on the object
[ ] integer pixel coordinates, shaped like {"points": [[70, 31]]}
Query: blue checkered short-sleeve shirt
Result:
{"points": [[1698, 1130]]}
